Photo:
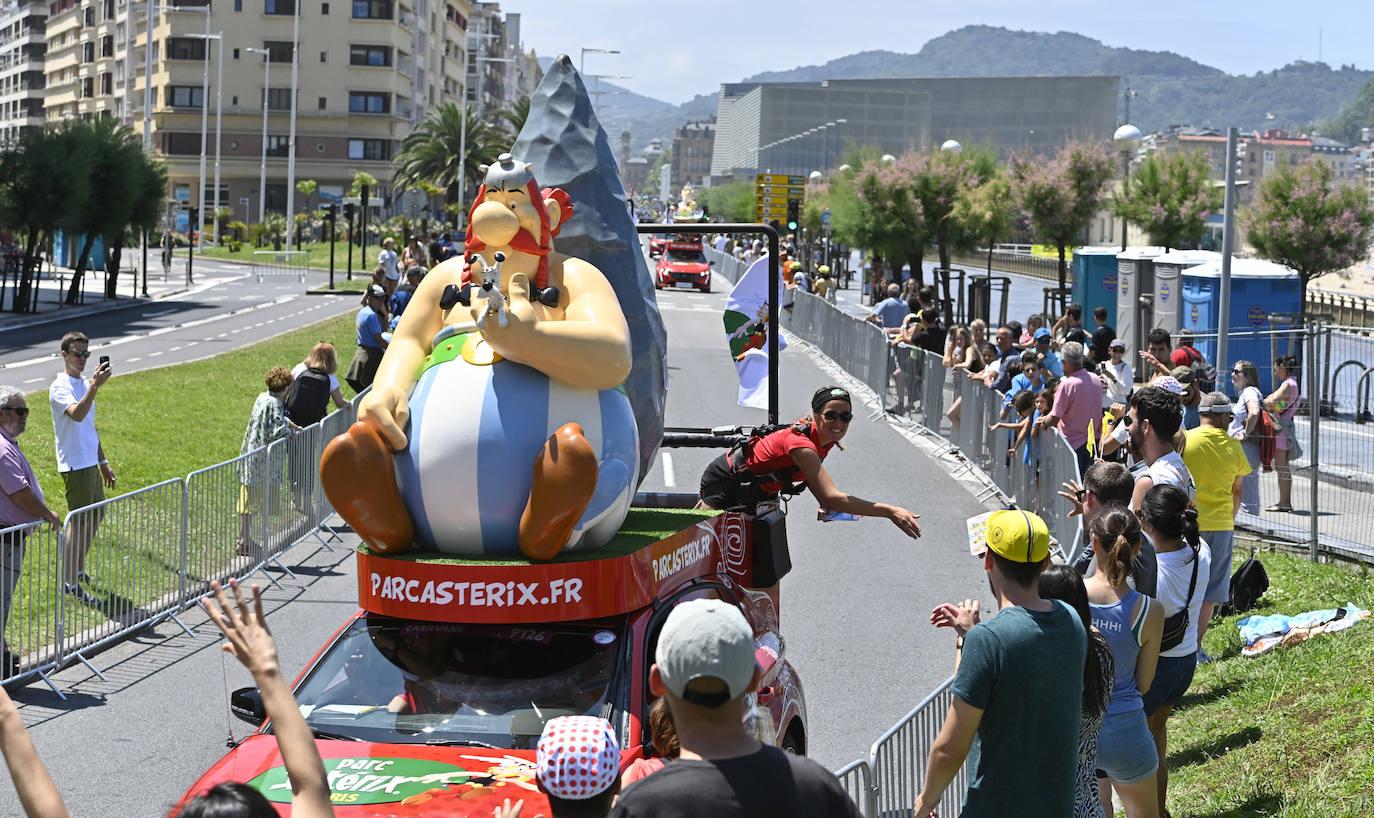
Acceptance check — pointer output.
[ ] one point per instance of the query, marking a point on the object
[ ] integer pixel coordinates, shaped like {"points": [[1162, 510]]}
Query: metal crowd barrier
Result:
{"points": [[898, 759], [272, 263], [858, 347], [856, 779], [146, 556], [726, 265]]}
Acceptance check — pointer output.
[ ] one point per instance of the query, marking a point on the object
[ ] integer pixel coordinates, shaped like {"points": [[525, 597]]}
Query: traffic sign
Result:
{"points": [[825, 217]]}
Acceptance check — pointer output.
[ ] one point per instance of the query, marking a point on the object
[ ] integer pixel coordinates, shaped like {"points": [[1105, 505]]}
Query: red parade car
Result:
{"points": [[683, 265], [415, 716]]}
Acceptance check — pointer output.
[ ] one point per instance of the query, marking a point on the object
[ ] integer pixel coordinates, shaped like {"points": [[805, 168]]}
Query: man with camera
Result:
{"points": [[86, 472]]}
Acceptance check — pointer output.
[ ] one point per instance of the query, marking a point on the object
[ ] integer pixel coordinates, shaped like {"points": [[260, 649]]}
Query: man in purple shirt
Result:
{"points": [[1077, 404], [21, 501]]}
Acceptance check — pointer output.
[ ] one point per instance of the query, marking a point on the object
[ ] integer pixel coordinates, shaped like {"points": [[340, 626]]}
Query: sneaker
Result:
{"points": [[82, 594], [82, 576], [1203, 658]]}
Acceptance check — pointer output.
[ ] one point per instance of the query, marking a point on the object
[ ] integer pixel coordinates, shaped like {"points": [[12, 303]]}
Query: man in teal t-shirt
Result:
{"points": [[1018, 691]]}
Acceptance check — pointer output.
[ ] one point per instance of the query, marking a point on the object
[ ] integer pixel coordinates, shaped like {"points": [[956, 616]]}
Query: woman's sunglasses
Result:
{"points": [[832, 415]]}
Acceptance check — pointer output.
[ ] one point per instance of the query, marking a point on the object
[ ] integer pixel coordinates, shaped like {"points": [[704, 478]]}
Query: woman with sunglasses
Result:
{"points": [[789, 460], [1283, 404], [1244, 416]]}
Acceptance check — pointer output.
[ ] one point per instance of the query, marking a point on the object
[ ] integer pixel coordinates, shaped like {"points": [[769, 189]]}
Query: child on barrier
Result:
{"points": [[1024, 404], [245, 627]]}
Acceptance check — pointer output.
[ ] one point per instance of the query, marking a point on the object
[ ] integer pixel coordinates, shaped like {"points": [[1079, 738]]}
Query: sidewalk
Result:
{"points": [[52, 290]]}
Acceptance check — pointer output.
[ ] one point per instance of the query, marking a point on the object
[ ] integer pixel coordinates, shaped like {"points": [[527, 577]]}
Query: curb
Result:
{"points": [[69, 313]]}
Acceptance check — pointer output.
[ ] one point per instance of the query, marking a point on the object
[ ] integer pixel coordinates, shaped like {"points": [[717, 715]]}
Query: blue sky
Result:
{"points": [[677, 50]]}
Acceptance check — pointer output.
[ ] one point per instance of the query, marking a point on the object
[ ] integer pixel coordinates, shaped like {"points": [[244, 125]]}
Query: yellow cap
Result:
{"points": [[1019, 536]]}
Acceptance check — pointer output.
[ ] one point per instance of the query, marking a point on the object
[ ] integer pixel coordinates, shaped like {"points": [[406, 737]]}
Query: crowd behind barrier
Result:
{"points": [[155, 551]]}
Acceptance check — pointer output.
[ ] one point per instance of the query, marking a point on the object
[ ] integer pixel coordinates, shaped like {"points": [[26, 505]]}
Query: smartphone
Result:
{"points": [[105, 359]]}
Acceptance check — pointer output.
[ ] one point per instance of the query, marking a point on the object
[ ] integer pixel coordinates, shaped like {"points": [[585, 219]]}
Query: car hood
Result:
{"points": [[686, 266], [402, 780]]}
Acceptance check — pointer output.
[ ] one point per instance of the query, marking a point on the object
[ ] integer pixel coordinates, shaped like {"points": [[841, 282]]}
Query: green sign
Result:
{"points": [[370, 780]]}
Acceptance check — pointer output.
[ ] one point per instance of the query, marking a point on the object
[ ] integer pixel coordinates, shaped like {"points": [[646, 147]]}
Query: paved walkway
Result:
{"points": [[54, 281]]}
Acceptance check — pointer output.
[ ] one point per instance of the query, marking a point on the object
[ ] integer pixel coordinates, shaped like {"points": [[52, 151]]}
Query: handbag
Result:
{"points": [[1176, 625]]}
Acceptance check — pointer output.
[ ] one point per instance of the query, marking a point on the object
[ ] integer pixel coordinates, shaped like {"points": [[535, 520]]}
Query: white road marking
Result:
{"points": [[33, 380], [668, 479], [154, 354], [134, 359], [174, 349]]}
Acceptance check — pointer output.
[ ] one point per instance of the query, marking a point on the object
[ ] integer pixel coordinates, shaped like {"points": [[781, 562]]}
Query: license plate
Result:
{"points": [[684, 285]]}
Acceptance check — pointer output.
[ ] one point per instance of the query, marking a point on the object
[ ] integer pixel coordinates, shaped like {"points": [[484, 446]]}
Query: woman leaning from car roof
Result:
{"points": [[794, 454]]}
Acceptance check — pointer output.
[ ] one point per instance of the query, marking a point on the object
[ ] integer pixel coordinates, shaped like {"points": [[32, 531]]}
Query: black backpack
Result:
{"points": [[1248, 584], [308, 398]]}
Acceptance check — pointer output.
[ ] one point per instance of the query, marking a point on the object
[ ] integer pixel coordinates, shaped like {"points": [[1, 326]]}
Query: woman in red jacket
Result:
{"points": [[789, 460]]}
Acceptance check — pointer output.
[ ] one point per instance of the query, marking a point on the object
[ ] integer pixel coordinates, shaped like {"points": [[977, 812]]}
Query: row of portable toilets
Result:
{"points": [[1180, 290]]}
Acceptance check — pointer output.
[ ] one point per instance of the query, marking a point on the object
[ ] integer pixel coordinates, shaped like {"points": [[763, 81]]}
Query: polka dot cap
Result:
{"points": [[578, 757]]}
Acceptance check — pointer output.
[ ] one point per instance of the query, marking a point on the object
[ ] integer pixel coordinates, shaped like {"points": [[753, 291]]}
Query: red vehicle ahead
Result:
{"points": [[429, 701], [683, 265]]}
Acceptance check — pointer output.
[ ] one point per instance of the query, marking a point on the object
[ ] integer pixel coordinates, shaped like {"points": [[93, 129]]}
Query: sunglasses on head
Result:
{"points": [[21, 411], [79, 353], [832, 415]]}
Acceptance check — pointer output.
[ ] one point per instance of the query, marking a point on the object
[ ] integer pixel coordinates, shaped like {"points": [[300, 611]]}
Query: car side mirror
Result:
{"points": [[246, 705], [710, 263]]}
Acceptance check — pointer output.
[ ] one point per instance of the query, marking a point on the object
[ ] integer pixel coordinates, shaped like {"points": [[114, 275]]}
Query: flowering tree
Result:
{"points": [[891, 222], [987, 212], [1301, 220], [1169, 197], [1061, 196]]}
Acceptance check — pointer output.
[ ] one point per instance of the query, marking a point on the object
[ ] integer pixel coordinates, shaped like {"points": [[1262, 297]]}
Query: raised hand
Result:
{"points": [[245, 628]]}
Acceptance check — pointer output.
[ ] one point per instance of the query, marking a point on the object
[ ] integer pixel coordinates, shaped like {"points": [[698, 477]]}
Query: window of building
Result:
{"points": [[88, 87], [324, 56], [324, 8], [185, 96], [374, 149], [375, 55], [182, 144], [278, 146], [371, 9], [236, 53], [279, 7], [186, 48], [107, 45], [88, 52], [106, 84], [278, 50], [279, 99], [322, 103], [109, 9], [238, 5], [89, 16], [234, 101], [369, 102]]}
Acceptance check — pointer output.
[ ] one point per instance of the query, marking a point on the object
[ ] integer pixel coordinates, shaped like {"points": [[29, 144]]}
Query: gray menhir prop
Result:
{"points": [[564, 140]]}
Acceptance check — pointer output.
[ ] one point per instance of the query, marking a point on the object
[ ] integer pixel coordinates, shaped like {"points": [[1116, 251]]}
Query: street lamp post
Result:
{"points": [[463, 131], [291, 137], [219, 109], [582, 58], [262, 167], [1127, 139]]}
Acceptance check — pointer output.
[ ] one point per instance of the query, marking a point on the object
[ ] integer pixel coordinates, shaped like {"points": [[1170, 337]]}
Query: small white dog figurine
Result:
{"points": [[490, 287]]}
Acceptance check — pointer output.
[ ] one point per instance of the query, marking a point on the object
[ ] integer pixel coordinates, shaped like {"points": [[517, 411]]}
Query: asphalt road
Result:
{"points": [[226, 309], [854, 608]]}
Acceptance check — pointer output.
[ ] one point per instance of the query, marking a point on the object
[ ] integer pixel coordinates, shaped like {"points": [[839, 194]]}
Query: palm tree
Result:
{"points": [[516, 114], [433, 151], [116, 156], [43, 177]]}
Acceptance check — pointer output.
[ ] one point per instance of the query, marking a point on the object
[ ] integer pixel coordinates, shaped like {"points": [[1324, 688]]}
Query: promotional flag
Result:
{"points": [[746, 332]]}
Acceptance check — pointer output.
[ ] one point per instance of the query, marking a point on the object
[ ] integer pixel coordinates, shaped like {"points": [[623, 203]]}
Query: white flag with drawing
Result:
{"points": [[746, 331]]}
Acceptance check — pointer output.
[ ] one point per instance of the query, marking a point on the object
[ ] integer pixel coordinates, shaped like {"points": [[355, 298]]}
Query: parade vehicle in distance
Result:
{"points": [[429, 700], [683, 265]]}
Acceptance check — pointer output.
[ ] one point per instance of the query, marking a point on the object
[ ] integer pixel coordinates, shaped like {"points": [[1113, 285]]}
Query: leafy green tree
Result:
{"points": [[307, 188], [43, 177], [433, 151], [733, 201], [1169, 197], [361, 178], [148, 195], [1357, 114], [987, 212], [1303, 221], [1062, 195]]}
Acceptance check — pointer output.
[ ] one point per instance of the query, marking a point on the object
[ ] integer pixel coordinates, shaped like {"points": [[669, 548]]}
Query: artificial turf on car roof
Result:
{"points": [[642, 527]]}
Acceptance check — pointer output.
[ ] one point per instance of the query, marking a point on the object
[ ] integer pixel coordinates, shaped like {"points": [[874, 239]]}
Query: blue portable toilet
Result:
{"points": [[1094, 281], [1168, 271], [1259, 289]]}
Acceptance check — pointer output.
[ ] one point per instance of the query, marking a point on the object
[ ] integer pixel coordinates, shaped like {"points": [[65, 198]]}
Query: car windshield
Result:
{"points": [[686, 256], [399, 681]]}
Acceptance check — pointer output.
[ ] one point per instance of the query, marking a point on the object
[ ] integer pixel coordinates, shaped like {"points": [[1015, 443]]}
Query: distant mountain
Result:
{"points": [[1170, 89], [617, 105]]}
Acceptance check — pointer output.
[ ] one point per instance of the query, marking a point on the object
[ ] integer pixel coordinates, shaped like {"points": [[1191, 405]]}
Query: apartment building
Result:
{"points": [[22, 46], [368, 70], [1258, 153], [500, 70], [692, 145]]}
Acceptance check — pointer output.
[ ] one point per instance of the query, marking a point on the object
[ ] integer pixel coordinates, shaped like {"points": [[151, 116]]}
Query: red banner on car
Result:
{"points": [[547, 592]]}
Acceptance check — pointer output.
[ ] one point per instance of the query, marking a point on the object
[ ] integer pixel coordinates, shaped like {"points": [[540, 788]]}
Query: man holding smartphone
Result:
{"points": [[80, 458]]}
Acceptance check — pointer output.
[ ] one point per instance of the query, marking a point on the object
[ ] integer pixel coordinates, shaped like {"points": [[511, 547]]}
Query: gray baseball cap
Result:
{"points": [[706, 639], [1215, 403]]}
